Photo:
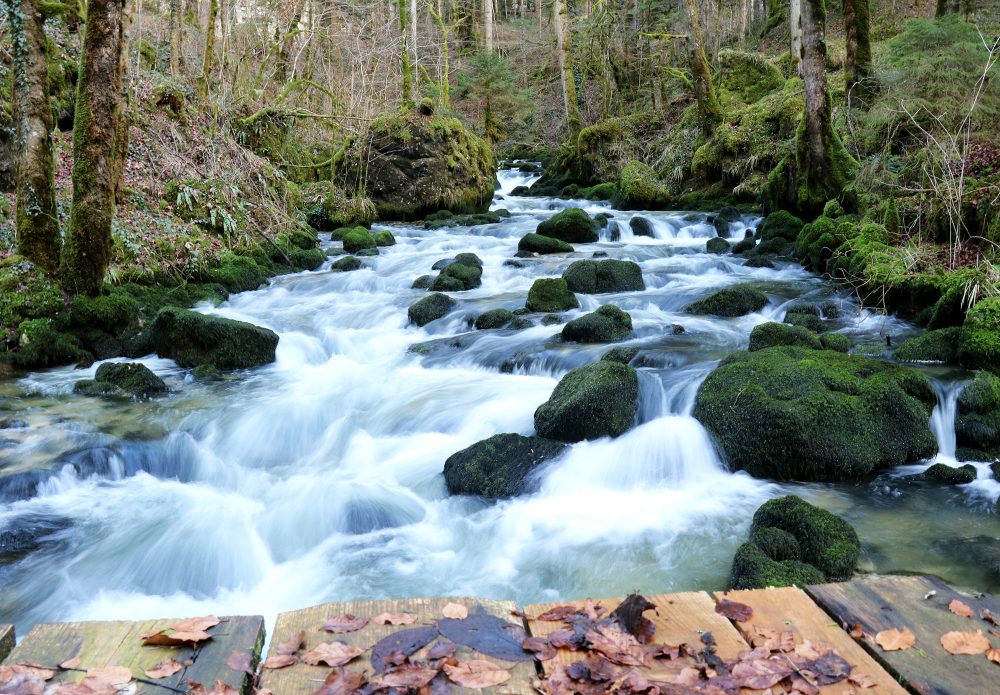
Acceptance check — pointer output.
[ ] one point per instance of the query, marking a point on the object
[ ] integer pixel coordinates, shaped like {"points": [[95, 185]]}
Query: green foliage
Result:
{"points": [[214, 205], [827, 541], [538, 243], [747, 76], [933, 346], [41, 343], [980, 345], [327, 207], [25, 293], [489, 81], [753, 569]]}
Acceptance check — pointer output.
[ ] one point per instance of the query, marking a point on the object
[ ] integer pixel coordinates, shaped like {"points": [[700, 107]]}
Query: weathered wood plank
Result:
{"points": [[881, 603], [6, 640], [789, 609], [118, 643], [303, 679], [679, 618]]}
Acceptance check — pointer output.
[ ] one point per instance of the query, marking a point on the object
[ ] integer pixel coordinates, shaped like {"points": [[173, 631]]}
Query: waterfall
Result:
{"points": [[943, 417]]}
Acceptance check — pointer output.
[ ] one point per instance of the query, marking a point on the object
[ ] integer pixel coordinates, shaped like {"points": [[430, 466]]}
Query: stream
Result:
{"points": [[318, 477]]}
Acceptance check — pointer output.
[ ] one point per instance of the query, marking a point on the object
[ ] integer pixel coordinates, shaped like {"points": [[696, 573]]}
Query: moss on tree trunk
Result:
{"points": [[560, 17], [36, 219], [858, 61], [709, 109]]}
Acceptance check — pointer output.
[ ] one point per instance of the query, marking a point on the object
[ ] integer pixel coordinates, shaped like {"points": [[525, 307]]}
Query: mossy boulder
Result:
{"points": [[838, 342], [792, 413], [748, 76], [641, 226], [42, 343], [548, 295], [462, 274], [621, 354], [415, 164], [498, 467], [430, 308], [26, 292], [608, 324], [238, 274], [122, 379], [980, 343], [384, 238], [717, 245], [977, 426], [346, 264], [780, 230], [950, 475], [541, 244], [639, 188], [446, 218], [571, 225], [596, 400], [494, 318], [599, 277], [770, 334], [730, 302], [327, 207], [753, 569], [806, 317], [423, 282], [933, 346], [192, 339], [777, 544], [358, 239]]}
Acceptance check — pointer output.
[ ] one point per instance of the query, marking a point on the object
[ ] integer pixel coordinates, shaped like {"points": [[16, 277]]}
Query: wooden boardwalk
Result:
{"points": [[375, 637]]}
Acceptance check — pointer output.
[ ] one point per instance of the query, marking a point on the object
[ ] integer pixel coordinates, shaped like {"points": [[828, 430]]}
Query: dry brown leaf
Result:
{"points": [[959, 608], [734, 610], [22, 678], [407, 676], [862, 680], [281, 661], [115, 675], [345, 622], [174, 639], [201, 624], [554, 615], [894, 639], [993, 654], [477, 674], [616, 645], [332, 654], [455, 611], [394, 619], [293, 644], [71, 663], [240, 661], [965, 643], [164, 669], [856, 632], [220, 688], [341, 682]]}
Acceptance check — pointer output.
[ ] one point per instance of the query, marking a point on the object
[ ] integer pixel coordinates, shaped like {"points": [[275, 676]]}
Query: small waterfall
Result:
{"points": [[943, 417]]}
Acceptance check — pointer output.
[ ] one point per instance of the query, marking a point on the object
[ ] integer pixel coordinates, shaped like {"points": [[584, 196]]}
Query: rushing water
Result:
{"points": [[319, 477]]}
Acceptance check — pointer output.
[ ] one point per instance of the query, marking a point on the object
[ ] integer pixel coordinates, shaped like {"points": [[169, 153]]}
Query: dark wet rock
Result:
{"points": [[511, 263], [744, 245], [978, 423], [538, 243], [494, 318], [596, 400], [26, 534], [346, 264], [572, 225], [549, 295], [520, 323], [950, 475], [608, 324], [446, 218], [621, 354], [423, 282], [806, 317], [641, 226], [498, 467], [759, 262], [123, 380], [717, 245], [552, 320], [730, 301], [430, 308], [599, 277], [193, 339], [366, 253]]}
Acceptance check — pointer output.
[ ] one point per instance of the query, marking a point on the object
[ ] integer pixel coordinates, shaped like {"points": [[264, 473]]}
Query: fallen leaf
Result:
{"points": [[893, 639], [196, 624], [967, 643], [761, 674], [406, 642], [862, 680], [616, 645], [856, 632], [115, 675], [959, 608], [21, 679], [993, 654], [332, 654], [70, 664], [488, 635], [281, 661], [394, 619], [341, 682], [407, 676], [734, 610], [220, 688], [554, 615], [830, 668], [345, 623], [164, 669], [989, 616], [456, 611], [174, 639], [240, 661], [540, 647], [441, 650], [629, 615], [293, 644], [477, 674]]}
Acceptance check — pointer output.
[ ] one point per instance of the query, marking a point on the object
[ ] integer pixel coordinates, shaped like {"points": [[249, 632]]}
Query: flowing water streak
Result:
{"points": [[943, 417]]}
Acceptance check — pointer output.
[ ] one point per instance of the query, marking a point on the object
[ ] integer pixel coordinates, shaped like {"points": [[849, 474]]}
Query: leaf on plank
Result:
{"points": [[332, 654], [760, 674], [293, 644], [993, 654], [281, 661], [393, 619], [342, 682], [345, 622], [893, 639], [477, 674], [164, 669], [487, 634], [960, 609], [616, 645], [629, 615], [240, 661], [441, 650], [734, 610], [965, 643], [455, 611], [406, 642], [554, 615], [406, 676]]}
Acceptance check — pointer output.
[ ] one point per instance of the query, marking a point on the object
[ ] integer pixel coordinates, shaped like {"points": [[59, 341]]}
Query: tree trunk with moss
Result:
{"points": [[560, 25], [284, 62], [945, 7], [858, 61], [795, 30], [206, 64], [823, 165], [95, 131], [176, 29], [36, 219], [709, 109], [404, 55], [488, 24]]}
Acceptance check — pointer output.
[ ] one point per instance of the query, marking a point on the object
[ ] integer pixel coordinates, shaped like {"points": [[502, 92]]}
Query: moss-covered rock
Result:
{"points": [[458, 277], [768, 335], [26, 292], [430, 308], [730, 301], [752, 569], [748, 76], [717, 245], [639, 188], [238, 274], [950, 475], [192, 339], [621, 354], [423, 282], [41, 343], [538, 243], [777, 544], [977, 426], [805, 316], [122, 379], [599, 277], [571, 225], [828, 543], [446, 218], [792, 413], [782, 225], [494, 318], [347, 264], [980, 343], [548, 295], [326, 207], [608, 324], [498, 467], [597, 400], [384, 238], [933, 346], [641, 226], [357, 239], [838, 342]]}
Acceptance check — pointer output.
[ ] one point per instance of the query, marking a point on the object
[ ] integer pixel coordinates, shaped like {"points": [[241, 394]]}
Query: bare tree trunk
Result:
{"points": [[95, 125], [414, 23], [488, 24], [709, 110], [287, 41], [404, 55], [176, 29], [560, 24], [206, 65], [858, 62], [744, 13], [36, 219], [795, 22]]}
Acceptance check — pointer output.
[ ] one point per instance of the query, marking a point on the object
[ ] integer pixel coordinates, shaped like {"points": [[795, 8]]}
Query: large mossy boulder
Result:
{"points": [[494, 318], [599, 277], [357, 239], [430, 308], [465, 272], [499, 466], [413, 165], [327, 207], [729, 302], [550, 295], [753, 569], [596, 400], [571, 225], [770, 334], [192, 339], [609, 324], [748, 76], [793, 413], [541, 244], [977, 426], [944, 474], [639, 188], [980, 344], [122, 379], [933, 346], [778, 234]]}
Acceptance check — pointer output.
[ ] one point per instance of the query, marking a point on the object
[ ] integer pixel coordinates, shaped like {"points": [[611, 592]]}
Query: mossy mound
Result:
{"points": [[464, 272], [777, 544], [770, 334], [26, 293], [639, 188], [494, 318], [748, 76], [358, 239], [238, 274], [192, 339], [608, 324], [753, 569], [384, 238], [538, 243], [597, 400], [933, 346], [838, 342], [621, 354], [122, 379], [717, 245], [498, 467], [549, 295], [730, 302], [446, 218], [599, 277], [430, 308], [980, 343], [792, 413], [950, 475], [571, 225], [345, 264], [977, 426], [326, 207]]}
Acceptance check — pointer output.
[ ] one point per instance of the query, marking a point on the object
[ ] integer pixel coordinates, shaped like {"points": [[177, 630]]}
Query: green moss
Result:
{"points": [[608, 324], [933, 346], [752, 569], [494, 318], [827, 541], [326, 207], [833, 209], [977, 426], [571, 225], [597, 400], [458, 276], [770, 334], [498, 467], [639, 188], [358, 238], [384, 238], [345, 264], [26, 292], [548, 295], [980, 344], [950, 475], [730, 301], [122, 379], [41, 343], [838, 342], [538, 243], [598, 277], [238, 274], [620, 354], [777, 544], [430, 308], [193, 339], [747, 76], [717, 245]]}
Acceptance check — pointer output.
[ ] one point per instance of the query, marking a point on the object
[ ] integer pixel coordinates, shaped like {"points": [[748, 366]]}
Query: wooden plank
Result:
{"points": [[789, 609], [881, 603], [679, 618], [303, 679], [118, 643], [6, 640]]}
